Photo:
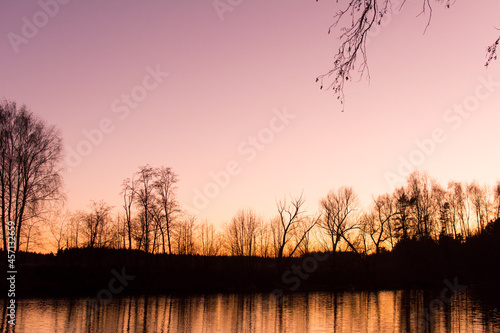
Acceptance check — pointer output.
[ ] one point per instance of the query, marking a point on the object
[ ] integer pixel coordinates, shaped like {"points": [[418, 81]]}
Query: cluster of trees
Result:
{"points": [[146, 221], [152, 220]]}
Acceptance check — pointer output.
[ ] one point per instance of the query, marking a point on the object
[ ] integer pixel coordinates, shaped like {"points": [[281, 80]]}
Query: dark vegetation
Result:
{"points": [[417, 236], [422, 263]]}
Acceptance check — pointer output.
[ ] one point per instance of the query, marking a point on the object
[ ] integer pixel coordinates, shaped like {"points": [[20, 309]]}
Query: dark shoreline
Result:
{"points": [[413, 264]]}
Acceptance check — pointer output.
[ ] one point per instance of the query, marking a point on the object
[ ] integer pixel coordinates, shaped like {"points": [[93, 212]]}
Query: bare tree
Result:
{"points": [[452, 212], [114, 233], [303, 234], [30, 155], [158, 232], [58, 226], [151, 192], [121, 232], [480, 203], [32, 235], [376, 224], [74, 229], [264, 239], [420, 190], [165, 185], [496, 198], [241, 233], [144, 197], [476, 196], [276, 232], [185, 233], [96, 224], [288, 220], [337, 216], [128, 193], [459, 211], [441, 209], [209, 244], [403, 222]]}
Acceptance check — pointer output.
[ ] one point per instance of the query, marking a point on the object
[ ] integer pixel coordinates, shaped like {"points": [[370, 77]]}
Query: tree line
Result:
{"points": [[152, 220]]}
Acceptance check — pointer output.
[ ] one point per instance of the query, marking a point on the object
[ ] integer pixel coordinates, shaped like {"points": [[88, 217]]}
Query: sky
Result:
{"points": [[224, 93]]}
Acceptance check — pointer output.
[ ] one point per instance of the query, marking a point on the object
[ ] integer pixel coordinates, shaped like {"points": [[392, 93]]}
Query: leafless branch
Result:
{"points": [[363, 15], [492, 51]]}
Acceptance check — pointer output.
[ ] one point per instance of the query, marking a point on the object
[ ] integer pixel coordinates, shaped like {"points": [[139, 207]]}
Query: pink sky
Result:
{"points": [[227, 79]]}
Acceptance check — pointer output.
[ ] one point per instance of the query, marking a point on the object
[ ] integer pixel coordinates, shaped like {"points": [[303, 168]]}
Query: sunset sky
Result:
{"points": [[232, 95]]}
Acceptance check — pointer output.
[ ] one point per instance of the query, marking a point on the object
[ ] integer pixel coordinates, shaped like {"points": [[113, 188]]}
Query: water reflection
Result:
{"points": [[383, 311]]}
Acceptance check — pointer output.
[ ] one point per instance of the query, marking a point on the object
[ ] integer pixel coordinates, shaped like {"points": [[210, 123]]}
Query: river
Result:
{"points": [[360, 311]]}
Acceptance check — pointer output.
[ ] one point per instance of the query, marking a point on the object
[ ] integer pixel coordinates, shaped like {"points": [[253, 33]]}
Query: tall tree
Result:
{"points": [[241, 233], [58, 224], [185, 234], [459, 212], [264, 239], [96, 224], [304, 234], [441, 210], [208, 240], [403, 222], [480, 204], [290, 215], [337, 216], [420, 190], [128, 193], [377, 222], [496, 200], [30, 156], [145, 197], [165, 185]]}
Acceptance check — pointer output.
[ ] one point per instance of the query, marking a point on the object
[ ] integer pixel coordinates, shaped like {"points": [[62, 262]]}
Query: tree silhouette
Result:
{"points": [[165, 186], [128, 193], [241, 233], [377, 222], [185, 235], [496, 195], [290, 215], [145, 199], [30, 156], [96, 224], [362, 16], [208, 240], [403, 203], [337, 216]]}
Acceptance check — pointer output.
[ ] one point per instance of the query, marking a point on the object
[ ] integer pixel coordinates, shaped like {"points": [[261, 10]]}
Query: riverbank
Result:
{"points": [[412, 264]]}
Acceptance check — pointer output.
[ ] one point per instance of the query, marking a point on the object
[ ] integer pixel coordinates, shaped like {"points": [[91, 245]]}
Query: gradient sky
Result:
{"points": [[228, 78]]}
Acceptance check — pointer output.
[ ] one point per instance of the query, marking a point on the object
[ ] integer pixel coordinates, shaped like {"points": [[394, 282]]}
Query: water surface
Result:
{"points": [[382, 311]]}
